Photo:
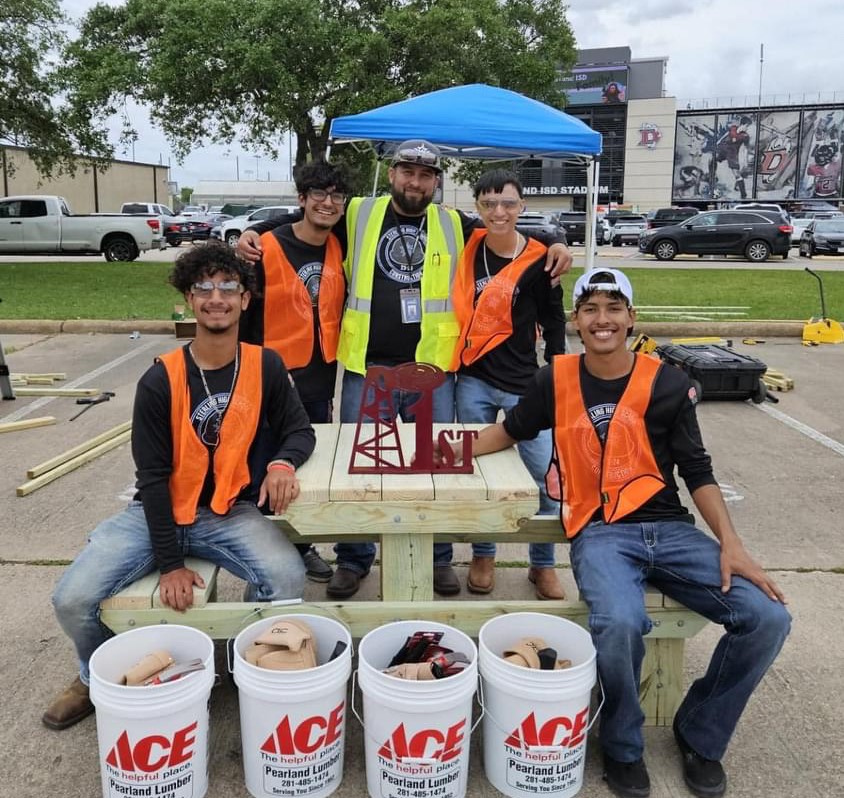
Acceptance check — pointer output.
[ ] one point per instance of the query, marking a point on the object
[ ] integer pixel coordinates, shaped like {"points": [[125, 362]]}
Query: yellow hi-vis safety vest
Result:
{"points": [[439, 330]]}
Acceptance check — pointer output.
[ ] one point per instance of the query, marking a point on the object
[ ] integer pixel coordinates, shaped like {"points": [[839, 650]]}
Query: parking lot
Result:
{"points": [[780, 466]]}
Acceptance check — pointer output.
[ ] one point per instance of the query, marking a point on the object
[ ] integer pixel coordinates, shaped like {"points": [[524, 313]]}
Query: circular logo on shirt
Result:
{"points": [[207, 418], [311, 274], [401, 252]]}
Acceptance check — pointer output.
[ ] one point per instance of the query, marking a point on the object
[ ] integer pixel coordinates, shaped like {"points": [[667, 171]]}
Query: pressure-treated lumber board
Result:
{"points": [[54, 462], [45, 479], [58, 391], [14, 426]]}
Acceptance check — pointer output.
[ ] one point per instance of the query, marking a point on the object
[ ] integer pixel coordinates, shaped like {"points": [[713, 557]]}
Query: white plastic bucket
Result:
{"points": [[535, 722], [416, 733], [153, 740], [293, 723]]}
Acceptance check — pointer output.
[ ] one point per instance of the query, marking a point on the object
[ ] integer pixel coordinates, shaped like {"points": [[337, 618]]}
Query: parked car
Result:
{"points": [[755, 234], [231, 230], [603, 234], [823, 237], [663, 217], [531, 222], [179, 229], [573, 224], [801, 222], [146, 208], [44, 225], [190, 211], [763, 206], [627, 229]]}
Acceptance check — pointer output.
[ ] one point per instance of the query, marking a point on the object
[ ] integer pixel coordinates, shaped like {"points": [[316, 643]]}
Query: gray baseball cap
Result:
{"points": [[419, 152]]}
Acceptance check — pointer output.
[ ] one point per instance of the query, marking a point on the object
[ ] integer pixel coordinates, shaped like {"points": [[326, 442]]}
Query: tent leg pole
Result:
{"points": [[593, 171], [375, 181]]}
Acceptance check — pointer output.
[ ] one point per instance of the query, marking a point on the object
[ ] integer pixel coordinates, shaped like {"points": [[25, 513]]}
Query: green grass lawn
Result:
{"points": [[55, 290]]}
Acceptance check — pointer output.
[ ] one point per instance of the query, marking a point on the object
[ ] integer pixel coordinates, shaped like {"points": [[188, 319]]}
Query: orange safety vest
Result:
{"points": [[237, 432], [288, 312], [618, 477], [489, 323]]}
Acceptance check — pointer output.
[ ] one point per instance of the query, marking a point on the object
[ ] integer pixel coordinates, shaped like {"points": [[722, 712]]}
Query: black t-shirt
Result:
{"points": [[284, 433], [315, 382], [399, 256], [511, 365], [670, 420]]}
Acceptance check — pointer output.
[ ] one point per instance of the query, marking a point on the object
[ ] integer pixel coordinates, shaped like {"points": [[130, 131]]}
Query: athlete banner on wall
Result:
{"points": [[693, 148], [776, 161], [821, 140], [733, 162]]}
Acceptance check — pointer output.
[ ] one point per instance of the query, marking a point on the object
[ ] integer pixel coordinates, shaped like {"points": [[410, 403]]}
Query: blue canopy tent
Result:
{"points": [[480, 122]]}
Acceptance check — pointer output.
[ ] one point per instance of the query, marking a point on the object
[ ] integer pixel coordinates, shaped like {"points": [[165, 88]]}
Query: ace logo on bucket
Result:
{"points": [[557, 731], [301, 757], [156, 764], [547, 756], [424, 744]]}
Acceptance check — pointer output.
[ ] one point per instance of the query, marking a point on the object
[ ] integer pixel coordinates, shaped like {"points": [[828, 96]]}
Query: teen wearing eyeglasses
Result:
{"points": [[196, 417]]}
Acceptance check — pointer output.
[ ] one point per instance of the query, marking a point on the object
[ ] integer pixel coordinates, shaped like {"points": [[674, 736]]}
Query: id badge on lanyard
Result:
{"points": [[411, 305]]}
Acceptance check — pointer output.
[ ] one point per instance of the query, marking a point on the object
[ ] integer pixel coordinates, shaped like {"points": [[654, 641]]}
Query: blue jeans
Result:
{"points": [[611, 563], [478, 402], [358, 557], [119, 552]]}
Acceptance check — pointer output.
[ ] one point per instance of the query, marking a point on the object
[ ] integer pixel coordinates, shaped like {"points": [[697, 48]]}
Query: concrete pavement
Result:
{"points": [[781, 468]]}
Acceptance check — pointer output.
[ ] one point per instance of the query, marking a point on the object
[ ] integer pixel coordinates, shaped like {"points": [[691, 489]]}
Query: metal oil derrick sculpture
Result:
{"points": [[377, 448]]}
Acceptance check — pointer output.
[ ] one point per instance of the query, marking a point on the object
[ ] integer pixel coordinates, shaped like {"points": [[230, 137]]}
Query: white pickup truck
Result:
{"points": [[44, 225]]}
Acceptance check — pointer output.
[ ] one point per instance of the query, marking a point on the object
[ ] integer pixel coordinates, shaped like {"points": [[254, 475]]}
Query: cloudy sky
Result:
{"points": [[712, 49]]}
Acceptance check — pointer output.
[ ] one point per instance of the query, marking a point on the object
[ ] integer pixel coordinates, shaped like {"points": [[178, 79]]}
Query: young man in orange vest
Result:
{"points": [[622, 422], [301, 291], [501, 292], [196, 418]]}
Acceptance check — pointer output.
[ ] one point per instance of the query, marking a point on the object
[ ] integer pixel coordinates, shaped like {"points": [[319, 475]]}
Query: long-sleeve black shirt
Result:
{"points": [[670, 420], [284, 433]]}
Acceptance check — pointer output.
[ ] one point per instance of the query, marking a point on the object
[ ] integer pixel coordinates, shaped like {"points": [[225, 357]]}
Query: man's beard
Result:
{"points": [[410, 206]]}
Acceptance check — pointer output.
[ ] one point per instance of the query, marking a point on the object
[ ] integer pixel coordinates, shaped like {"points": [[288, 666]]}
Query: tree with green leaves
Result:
{"points": [[31, 41], [249, 71]]}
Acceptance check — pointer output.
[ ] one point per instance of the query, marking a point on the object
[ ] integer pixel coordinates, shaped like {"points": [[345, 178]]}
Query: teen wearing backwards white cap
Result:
{"points": [[622, 423]]}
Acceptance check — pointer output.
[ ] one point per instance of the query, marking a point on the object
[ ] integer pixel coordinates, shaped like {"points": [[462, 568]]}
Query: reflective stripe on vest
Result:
{"points": [[439, 329], [288, 311], [485, 325], [618, 477], [237, 432]]}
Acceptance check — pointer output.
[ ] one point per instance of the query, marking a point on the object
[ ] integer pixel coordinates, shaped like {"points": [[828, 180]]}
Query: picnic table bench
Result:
{"points": [[405, 514]]}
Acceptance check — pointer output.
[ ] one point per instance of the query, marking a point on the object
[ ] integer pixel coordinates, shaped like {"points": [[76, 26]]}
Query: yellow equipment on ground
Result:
{"points": [[822, 330]]}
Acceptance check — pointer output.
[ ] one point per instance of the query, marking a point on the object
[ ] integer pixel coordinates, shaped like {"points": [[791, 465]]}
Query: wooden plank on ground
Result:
{"points": [[15, 426], [25, 391], [45, 479], [53, 462]]}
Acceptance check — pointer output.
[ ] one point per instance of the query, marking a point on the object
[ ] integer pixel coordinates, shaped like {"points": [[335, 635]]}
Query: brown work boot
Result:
{"points": [[70, 707], [481, 577], [548, 587]]}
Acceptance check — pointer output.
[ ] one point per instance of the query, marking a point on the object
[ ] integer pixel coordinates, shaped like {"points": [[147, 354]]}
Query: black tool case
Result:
{"points": [[718, 371]]}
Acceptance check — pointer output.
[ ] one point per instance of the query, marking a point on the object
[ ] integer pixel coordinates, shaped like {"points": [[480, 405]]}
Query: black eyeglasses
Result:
{"points": [[320, 195]]}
